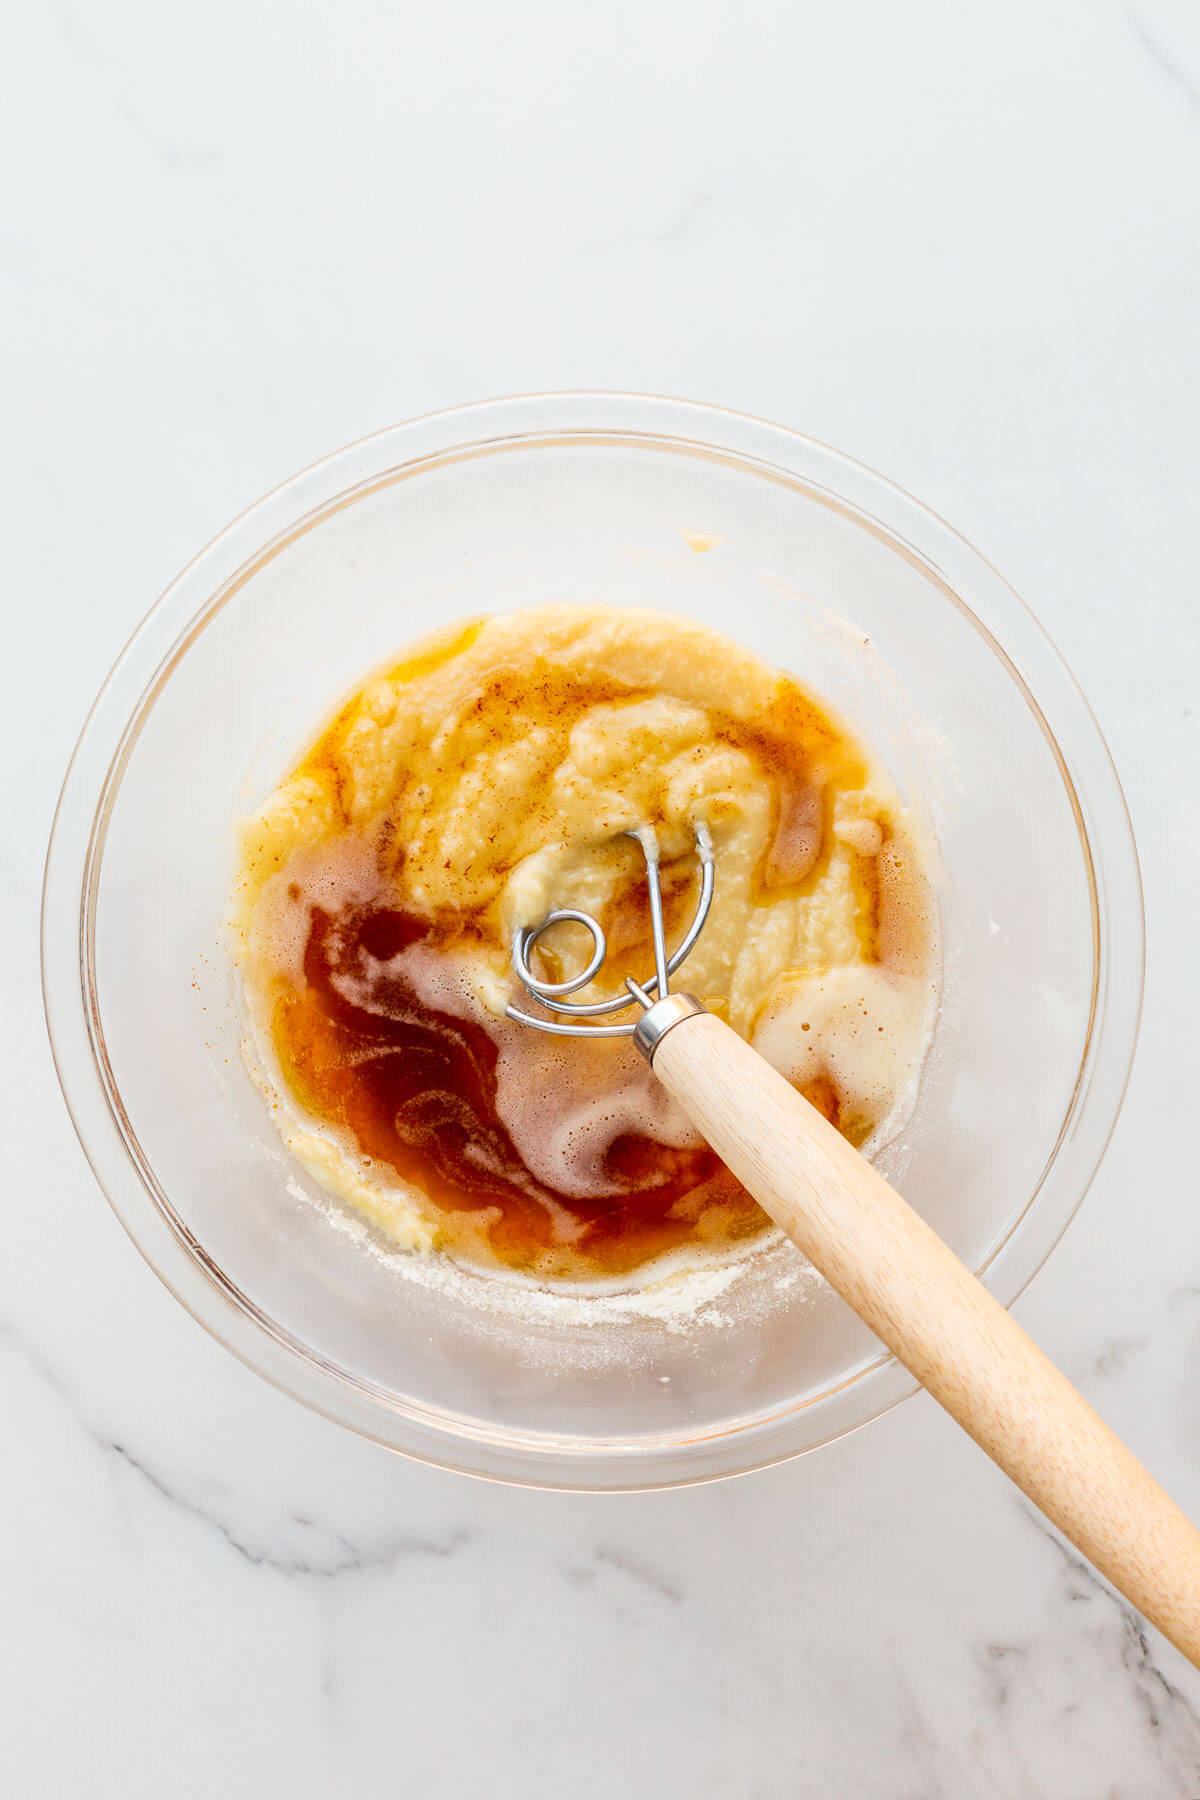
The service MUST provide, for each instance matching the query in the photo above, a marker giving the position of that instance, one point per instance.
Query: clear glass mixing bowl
(823, 568)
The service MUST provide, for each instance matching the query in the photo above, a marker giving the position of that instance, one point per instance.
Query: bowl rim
(299, 504)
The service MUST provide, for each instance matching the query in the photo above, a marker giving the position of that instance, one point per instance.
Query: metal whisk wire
(550, 994)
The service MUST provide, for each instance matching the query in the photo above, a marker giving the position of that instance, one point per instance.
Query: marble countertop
(960, 243)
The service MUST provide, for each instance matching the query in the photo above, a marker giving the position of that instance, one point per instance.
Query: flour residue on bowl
(680, 1298)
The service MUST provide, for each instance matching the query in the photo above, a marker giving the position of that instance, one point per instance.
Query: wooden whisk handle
(942, 1324)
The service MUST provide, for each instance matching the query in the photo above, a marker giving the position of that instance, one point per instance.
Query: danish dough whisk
(885, 1262)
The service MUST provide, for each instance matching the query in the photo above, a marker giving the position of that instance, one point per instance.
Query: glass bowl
(823, 568)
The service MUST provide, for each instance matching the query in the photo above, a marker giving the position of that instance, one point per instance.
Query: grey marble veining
(962, 244)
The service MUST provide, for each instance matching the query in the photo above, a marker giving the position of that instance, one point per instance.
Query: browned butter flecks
(486, 779)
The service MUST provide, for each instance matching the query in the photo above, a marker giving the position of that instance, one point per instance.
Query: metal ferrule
(662, 1017)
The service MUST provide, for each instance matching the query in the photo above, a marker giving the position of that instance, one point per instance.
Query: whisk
(552, 993)
(886, 1263)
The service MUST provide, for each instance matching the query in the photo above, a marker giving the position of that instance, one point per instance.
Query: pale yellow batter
(486, 780)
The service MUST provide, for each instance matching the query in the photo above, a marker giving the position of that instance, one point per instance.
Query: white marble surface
(960, 242)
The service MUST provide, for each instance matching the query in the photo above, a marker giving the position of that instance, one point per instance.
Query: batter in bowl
(485, 780)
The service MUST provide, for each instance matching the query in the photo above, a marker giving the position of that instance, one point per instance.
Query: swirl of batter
(486, 779)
